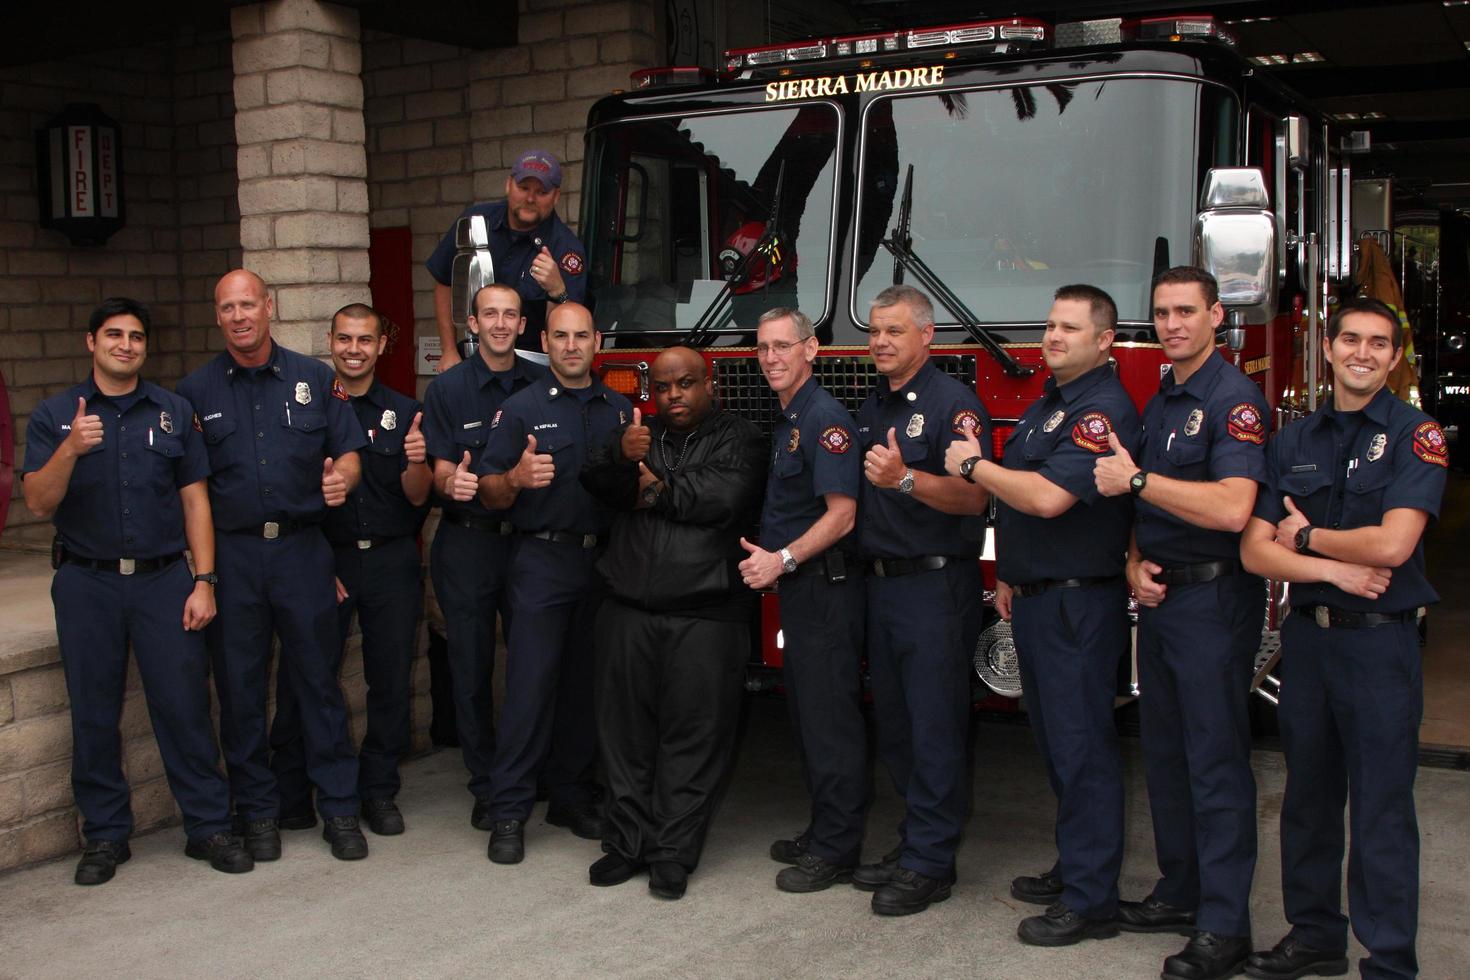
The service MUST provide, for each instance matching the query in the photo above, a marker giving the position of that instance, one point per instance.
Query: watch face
(1136, 482)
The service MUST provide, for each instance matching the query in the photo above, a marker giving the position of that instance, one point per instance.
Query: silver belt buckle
(1323, 616)
(363, 544)
(126, 566)
(272, 530)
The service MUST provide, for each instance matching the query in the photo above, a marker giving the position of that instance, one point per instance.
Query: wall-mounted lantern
(79, 171)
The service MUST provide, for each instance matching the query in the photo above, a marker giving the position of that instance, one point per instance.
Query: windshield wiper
(769, 246)
(901, 243)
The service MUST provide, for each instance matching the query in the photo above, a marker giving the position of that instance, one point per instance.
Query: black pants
(668, 699)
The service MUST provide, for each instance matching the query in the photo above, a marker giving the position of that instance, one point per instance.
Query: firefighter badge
(1091, 432)
(1054, 421)
(966, 422)
(835, 439)
(916, 426)
(1377, 446)
(303, 393)
(1193, 423)
(389, 421)
(1429, 444)
(795, 441)
(166, 423)
(1245, 424)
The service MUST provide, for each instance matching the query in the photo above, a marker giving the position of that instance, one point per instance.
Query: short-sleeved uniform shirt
(459, 406)
(1211, 427)
(267, 430)
(813, 453)
(565, 421)
(929, 413)
(1061, 435)
(123, 497)
(513, 252)
(377, 506)
(1347, 469)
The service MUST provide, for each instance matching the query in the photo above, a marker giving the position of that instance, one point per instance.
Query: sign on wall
(79, 174)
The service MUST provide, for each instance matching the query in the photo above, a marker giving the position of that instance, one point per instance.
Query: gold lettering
(772, 93)
(841, 87)
(921, 77)
(807, 88)
(937, 73)
(865, 82)
(903, 78)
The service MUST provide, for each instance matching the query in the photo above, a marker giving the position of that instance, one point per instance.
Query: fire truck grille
(743, 390)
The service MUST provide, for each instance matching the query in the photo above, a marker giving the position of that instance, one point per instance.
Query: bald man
(283, 447)
(674, 632)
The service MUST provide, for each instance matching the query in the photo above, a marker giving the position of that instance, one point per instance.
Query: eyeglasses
(780, 348)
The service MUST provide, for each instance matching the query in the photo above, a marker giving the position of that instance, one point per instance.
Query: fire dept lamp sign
(79, 171)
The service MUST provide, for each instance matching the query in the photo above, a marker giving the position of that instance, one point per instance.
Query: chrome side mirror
(473, 269)
(1235, 240)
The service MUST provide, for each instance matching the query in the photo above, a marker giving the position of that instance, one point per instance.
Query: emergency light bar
(1024, 33)
(1183, 27)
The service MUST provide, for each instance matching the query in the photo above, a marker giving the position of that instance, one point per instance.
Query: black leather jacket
(680, 555)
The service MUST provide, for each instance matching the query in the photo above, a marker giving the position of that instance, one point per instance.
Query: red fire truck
(985, 163)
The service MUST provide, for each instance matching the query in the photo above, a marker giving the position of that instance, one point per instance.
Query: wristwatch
(559, 298)
(788, 561)
(906, 485)
(1303, 540)
(207, 577)
(650, 494)
(967, 468)
(1137, 482)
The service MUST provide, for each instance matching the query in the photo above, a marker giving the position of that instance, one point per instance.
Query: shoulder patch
(834, 438)
(197, 426)
(966, 421)
(571, 264)
(1091, 432)
(1429, 444)
(1246, 425)
(338, 391)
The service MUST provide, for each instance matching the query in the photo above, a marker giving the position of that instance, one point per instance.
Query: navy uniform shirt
(267, 430)
(1347, 469)
(1211, 427)
(459, 406)
(377, 507)
(812, 454)
(513, 251)
(1060, 436)
(565, 421)
(123, 498)
(929, 412)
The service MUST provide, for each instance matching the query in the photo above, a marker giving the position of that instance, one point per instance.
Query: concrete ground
(429, 903)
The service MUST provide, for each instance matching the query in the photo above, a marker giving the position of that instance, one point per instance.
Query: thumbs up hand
(534, 470)
(463, 485)
(413, 441)
(1111, 473)
(883, 465)
(86, 430)
(547, 273)
(636, 439)
(1293, 522)
(334, 484)
(761, 568)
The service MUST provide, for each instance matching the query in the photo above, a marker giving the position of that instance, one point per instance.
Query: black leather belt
(1205, 571)
(565, 537)
(819, 564)
(1329, 617)
(1047, 584)
(894, 567)
(271, 530)
(122, 566)
(365, 544)
(476, 523)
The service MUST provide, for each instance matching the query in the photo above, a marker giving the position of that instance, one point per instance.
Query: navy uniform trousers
(1196, 653)
(922, 630)
(282, 586)
(384, 589)
(97, 614)
(1069, 642)
(823, 625)
(547, 715)
(1351, 704)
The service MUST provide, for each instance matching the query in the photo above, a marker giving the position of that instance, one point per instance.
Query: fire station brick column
(302, 162)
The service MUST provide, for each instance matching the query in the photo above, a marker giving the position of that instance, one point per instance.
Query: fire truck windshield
(1019, 190)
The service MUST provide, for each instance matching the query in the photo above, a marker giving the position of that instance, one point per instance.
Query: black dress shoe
(262, 839)
(790, 851)
(907, 892)
(382, 817)
(1208, 957)
(667, 879)
(812, 874)
(871, 877)
(1060, 926)
(480, 817)
(1152, 915)
(224, 852)
(1043, 889)
(345, 836)
(612, 869)
(100, 859)
(582, 819)
(507, 842)
(297, 819)
(1290, 959)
